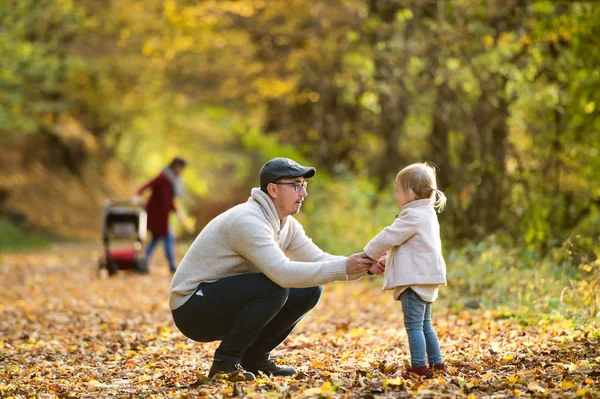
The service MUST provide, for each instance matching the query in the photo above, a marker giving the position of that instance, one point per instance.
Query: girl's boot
(421, 371)
(440, 368)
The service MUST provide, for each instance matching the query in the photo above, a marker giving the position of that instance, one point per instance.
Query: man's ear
(272, 190)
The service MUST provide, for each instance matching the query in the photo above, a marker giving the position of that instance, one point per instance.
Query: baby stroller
(123, 221)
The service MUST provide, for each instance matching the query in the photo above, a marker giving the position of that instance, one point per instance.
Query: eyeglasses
(296, 184)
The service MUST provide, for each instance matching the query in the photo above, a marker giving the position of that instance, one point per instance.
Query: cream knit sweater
(249, 238)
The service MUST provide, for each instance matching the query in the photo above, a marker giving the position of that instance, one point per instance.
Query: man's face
(287, 200)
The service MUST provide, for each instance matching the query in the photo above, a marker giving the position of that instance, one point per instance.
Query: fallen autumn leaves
(66, 333)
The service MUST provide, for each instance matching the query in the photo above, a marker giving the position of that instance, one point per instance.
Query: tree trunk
(393, 98)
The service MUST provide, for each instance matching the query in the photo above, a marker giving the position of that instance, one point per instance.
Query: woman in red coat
(165, 187)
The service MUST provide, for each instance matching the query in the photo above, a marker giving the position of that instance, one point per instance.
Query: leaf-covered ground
(65, 333)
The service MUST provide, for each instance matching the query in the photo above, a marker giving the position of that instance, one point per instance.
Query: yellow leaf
(488, 41)
(566, 384)
(311, 391)
(589, 107)
(147, 50)
(182, 43)
(169, 8)
(453, 64)
(465, 315)
(93, 382)
(345, 356)
(536, 388)
(564, 33)
(398, 381)
(507, 358)
(357, 332)
(202, 379)
(589, 381)
(314, 97)
(581, 392)
(389, 368)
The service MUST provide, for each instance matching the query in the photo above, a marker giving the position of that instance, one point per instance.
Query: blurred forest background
(502, 95)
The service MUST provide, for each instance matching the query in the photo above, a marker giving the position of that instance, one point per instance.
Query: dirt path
(64, 332)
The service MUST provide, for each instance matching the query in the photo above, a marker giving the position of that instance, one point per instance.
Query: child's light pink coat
(414, 245)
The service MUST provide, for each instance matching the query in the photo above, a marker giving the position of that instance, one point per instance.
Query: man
(165, 188)
(252, 274)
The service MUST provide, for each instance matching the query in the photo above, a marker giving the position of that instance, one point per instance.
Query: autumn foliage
(66, 333)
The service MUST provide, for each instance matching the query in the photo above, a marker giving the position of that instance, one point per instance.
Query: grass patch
(523, 285)
(16, 239)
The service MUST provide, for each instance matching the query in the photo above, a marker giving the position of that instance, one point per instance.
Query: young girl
(414, 266)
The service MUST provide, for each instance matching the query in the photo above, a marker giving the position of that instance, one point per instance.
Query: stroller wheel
(111, 267)
(141, 266)
(101, 268)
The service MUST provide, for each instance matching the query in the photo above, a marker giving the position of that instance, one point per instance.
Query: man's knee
(313, 295)
(277, 295)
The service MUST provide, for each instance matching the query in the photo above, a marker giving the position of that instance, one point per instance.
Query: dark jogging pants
(249, 313)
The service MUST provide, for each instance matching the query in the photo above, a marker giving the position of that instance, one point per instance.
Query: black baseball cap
(279, 168)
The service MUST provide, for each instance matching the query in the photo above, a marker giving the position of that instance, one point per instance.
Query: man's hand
(358, 263)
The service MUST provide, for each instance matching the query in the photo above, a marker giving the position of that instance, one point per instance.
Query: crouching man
(252, 274)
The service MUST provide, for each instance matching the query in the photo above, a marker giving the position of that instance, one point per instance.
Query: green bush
(523, 283)
(17, 239)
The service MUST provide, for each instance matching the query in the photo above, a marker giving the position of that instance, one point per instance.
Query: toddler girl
(414, 266)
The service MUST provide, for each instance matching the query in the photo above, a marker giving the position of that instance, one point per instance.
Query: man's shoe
(234, 370)
(269, 367)
(419, 371)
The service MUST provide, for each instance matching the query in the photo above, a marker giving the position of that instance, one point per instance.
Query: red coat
(160, 204)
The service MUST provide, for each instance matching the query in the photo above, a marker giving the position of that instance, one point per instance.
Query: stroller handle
(127, 203)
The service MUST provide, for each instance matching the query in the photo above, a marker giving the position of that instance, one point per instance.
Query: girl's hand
(377, 268)
(381, 261)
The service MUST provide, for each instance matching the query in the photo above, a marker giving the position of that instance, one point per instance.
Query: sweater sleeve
(254, 241)
(148, 185)
(404, 227)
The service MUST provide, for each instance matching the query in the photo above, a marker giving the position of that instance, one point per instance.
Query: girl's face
(402, 197)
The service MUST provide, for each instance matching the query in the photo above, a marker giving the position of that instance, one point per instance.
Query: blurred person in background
(165, 188)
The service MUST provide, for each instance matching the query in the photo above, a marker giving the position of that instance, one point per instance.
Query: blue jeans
(169, 240)
(422, 340)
